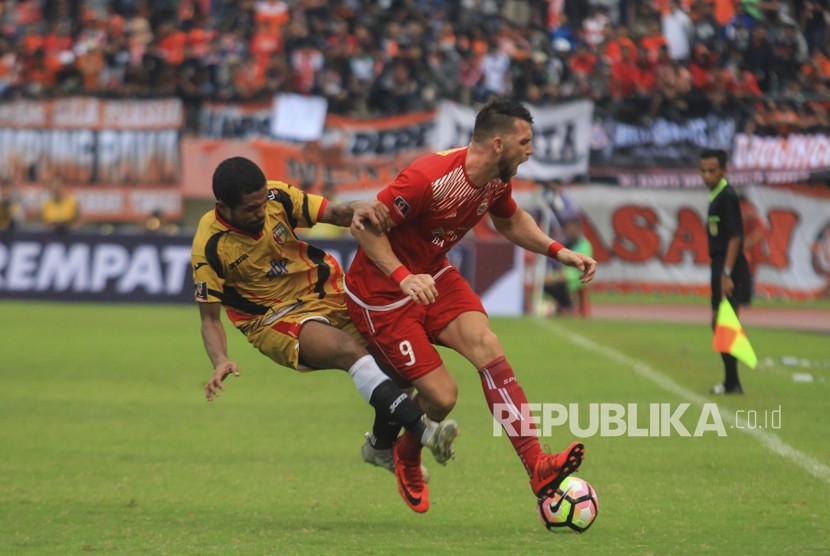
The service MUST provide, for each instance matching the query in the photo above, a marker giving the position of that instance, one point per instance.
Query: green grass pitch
(107, 446)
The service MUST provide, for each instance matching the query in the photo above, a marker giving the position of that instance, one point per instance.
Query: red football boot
(411, 483)
(551, 469)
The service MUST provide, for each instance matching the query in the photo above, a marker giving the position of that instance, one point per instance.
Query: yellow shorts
(277, 333)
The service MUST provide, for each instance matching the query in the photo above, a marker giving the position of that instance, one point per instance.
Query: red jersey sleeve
(407, 196)
(505, 206)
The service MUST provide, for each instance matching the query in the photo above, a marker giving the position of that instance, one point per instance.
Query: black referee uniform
(725, 223)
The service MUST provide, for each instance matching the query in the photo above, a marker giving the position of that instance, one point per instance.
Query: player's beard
(506, 171)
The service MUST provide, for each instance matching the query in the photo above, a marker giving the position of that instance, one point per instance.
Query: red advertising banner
(656, 240)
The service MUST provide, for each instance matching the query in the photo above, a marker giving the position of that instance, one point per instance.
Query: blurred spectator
(495, 65)
(678, 29)
(562, 282)
(60, 212)
(556, 208)
(619, 39)
(595, 27)
(813, 20)
(584, 68)
(653, 41)
(396, 90)
(157, 224)
(706, 30)
(306, 63)
(674, 82)
(11, 210)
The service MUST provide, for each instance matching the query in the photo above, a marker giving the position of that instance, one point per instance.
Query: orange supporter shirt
(584, 64)
(614, 49)
(199, 40)
(249, 79)
(821, 63)
(55, 43)
(621, 84)
(645, 80)
(262, 47)
(31, 43)
(652, 44)
(172, 45)
(724, 10)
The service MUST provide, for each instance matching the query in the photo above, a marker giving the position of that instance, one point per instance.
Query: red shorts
(405, 335)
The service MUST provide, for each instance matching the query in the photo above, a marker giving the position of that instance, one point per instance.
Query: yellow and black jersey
(251, 274)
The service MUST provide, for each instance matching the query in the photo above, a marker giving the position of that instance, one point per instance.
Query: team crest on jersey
(438, 232)
(401, 205)
(482, 208)
(713, 226)
(201, 291)
(280, 233)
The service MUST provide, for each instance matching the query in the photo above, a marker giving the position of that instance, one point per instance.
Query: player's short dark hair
(236, 177)
(720, 154)
(498, 117)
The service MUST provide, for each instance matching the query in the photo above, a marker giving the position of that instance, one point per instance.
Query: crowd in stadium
(642, 58)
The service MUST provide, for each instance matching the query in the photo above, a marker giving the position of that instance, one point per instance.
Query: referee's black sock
(730, 365)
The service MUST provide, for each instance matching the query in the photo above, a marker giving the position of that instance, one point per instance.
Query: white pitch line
(768, 440)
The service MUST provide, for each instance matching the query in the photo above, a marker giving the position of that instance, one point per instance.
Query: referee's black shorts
(742, 294)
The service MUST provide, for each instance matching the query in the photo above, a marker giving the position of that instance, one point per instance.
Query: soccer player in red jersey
(404, 296)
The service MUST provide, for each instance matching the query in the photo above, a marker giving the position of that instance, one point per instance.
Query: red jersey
(434, 205)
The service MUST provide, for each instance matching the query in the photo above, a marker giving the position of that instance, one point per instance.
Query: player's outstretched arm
(216, 345)
(358, 213)
(522, 230)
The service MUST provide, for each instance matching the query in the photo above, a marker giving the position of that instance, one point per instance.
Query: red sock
(505, 398)
(409, 446)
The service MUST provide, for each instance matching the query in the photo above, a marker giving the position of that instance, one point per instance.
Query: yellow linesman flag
(730, 336)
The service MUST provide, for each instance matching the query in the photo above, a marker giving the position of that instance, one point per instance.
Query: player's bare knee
(486, 342)
(444, 401)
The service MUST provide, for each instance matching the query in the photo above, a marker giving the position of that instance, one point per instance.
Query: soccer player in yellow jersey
(287, 297)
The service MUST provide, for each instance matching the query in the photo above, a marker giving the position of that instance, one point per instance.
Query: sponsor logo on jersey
(453, 214)
(280, 233)
(238, 261)
(201, 291)
(401, 205)
(438, 232)
(278, 268)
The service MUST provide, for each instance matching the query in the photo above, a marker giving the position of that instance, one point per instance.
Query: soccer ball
(573, 506)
